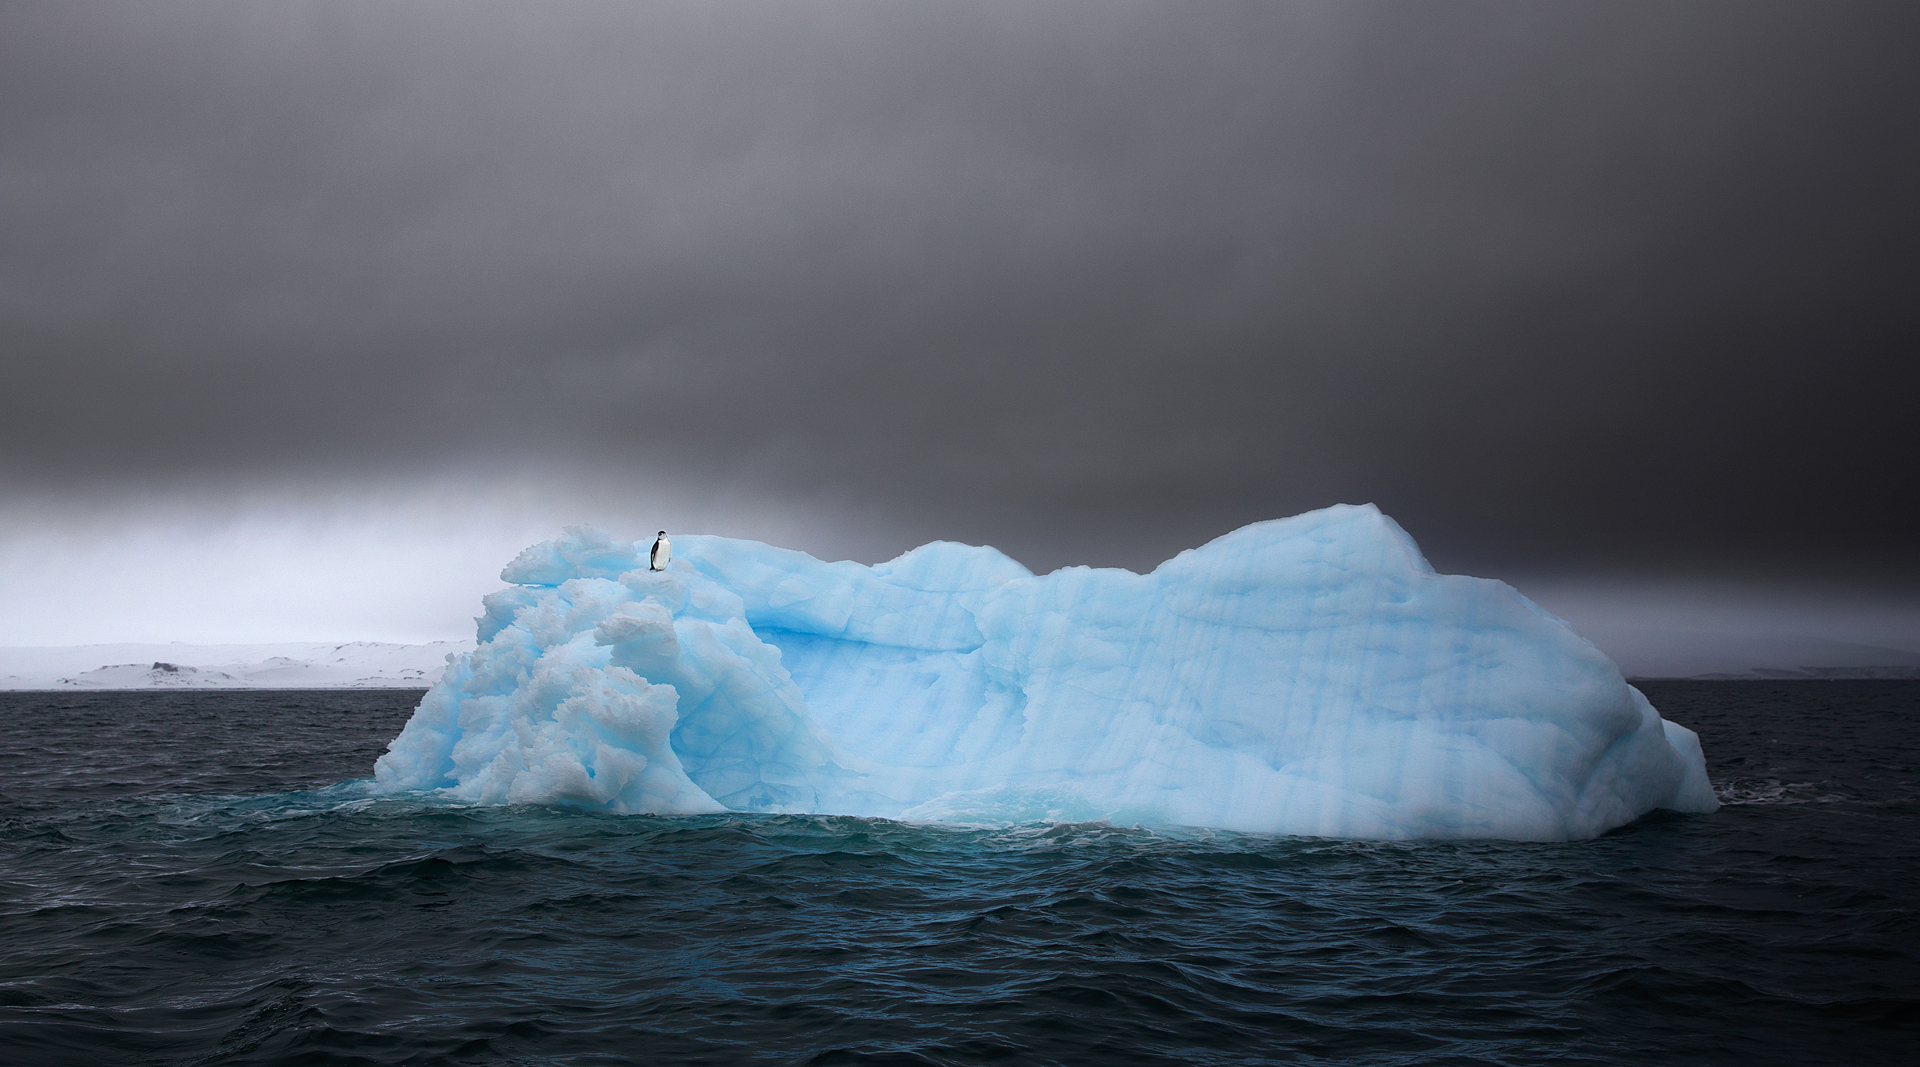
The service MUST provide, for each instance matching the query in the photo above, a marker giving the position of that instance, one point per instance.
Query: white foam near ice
(1310, 675)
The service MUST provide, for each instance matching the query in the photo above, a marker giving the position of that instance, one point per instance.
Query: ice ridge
(1310, 675)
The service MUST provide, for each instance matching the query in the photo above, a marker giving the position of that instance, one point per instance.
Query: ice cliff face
(1311, 675)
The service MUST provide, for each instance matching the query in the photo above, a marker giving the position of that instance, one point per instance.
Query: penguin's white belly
(662, 554)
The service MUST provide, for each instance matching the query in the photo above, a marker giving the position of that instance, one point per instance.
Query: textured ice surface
(1310, 675)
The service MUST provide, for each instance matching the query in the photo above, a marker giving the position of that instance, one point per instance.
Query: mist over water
(194, 878)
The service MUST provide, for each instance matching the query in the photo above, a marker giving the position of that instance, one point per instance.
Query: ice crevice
(1310, 675)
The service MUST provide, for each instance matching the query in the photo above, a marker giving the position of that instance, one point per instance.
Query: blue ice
(1310, 675)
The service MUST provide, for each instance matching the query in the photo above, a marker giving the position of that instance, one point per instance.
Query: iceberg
(1310, 675)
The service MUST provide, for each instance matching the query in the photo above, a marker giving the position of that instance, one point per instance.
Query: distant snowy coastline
(1654, 654)
(1891, 672)
(292, 665)
(1651, 655)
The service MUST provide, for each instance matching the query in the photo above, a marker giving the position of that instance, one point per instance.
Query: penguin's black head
(663, 533)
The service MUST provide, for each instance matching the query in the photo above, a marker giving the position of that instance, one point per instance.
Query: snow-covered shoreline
(388, 665)
(285, 665)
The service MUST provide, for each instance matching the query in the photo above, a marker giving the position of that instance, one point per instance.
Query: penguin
(662, 553)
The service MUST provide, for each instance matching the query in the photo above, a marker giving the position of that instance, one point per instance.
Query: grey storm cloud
(1625, 279)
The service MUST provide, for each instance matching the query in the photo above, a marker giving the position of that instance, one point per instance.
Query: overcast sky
(314, 313)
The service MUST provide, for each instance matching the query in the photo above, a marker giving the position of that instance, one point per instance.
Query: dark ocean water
(182, 881)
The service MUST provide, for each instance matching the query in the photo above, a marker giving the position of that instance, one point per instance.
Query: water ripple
(296, 919)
